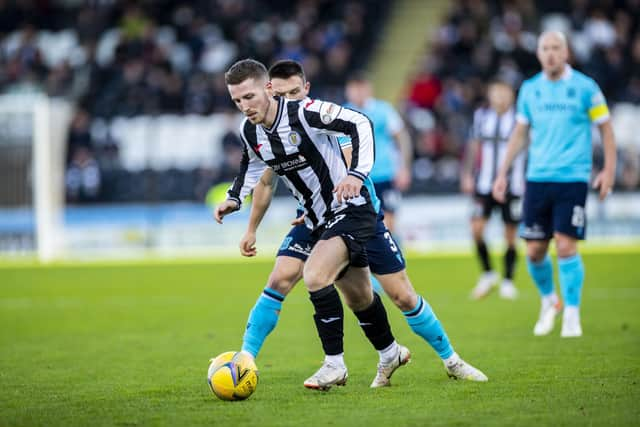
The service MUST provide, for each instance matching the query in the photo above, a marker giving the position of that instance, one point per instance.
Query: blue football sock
(262, 319)
(542, 275)
(424, 322)
(571, 274)
(377, 287)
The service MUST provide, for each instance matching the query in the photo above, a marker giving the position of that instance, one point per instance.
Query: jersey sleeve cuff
(358, 175)
(601, 119)
(521, 118)
(235, 199)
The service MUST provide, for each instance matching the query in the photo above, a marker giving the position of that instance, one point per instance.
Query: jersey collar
(566, 74)
(276, 122)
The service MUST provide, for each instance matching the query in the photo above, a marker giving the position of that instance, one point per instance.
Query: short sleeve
(394, 121)
(596, 104)
(523, 112)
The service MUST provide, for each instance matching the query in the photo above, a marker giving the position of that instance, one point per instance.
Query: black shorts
(554, 206)
(356, 225)
(511, 209)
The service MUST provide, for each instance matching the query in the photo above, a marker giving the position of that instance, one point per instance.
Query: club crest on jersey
(294, 138)
(328, 112)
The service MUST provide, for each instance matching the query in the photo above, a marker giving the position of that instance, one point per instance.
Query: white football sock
(451, 360)
(388, 354)
(335, 360)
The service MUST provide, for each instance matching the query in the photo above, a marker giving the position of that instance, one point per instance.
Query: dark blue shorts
(389, 196)
(298, 242)
(554, 207)
(385, 256)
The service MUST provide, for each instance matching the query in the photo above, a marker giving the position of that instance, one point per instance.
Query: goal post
(33, 139)
(51, 119)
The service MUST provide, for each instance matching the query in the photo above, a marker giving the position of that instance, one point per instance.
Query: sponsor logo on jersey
(292, 163)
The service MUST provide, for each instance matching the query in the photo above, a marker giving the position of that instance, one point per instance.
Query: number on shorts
(577, 219)
(392, 244)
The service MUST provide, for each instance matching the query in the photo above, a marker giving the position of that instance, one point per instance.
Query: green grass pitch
(129, 344)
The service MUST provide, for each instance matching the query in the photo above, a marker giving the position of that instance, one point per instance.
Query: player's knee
(536, 252)
(566, 247)
(315, 278)
(357, 304)
(476, 231)
(405, 301)
(283, 283)
(399, 289)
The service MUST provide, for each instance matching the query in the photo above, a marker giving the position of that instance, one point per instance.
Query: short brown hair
(243, 70)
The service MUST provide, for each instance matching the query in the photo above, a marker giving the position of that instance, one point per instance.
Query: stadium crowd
(116, 58)
(483, 41)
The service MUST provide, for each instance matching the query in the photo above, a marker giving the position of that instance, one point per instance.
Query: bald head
(553, 53)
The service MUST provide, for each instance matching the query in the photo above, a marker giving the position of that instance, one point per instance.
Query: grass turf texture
(129, 345)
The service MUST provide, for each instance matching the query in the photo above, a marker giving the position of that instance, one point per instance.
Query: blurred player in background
(287, 79)
(391, 173)
(559, 105)
(489, 136)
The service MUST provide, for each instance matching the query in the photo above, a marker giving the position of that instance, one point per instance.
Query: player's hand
(348, 188)
(466, 183)
(499, 188)
(298, 221)
(604, 181)
(224, 209)
(248, 244)
(402, 180)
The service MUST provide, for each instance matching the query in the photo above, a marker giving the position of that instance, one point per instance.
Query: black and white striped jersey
(493, 131)
(300, 147)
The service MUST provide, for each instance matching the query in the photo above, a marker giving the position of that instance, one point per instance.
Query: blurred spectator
(83, 176)
(480, 41)
(129, 58)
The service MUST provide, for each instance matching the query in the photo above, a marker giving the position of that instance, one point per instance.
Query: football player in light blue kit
(391, 171)
(559, 106)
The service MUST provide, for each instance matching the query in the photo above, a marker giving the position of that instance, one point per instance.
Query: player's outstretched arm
(517, 142)
(606, 178)
(262, 195)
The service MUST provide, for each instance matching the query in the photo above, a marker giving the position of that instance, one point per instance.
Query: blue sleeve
(523, 113)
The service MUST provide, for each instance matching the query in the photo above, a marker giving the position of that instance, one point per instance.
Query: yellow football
(233, 376)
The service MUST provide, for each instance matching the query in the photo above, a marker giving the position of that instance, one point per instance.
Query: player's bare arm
(403, 177)
(517, 143)
(606, 178)
(262, 195)
(466, 176)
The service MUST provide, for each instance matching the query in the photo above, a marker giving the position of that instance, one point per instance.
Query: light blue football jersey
(560, 115)
(386, 122)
